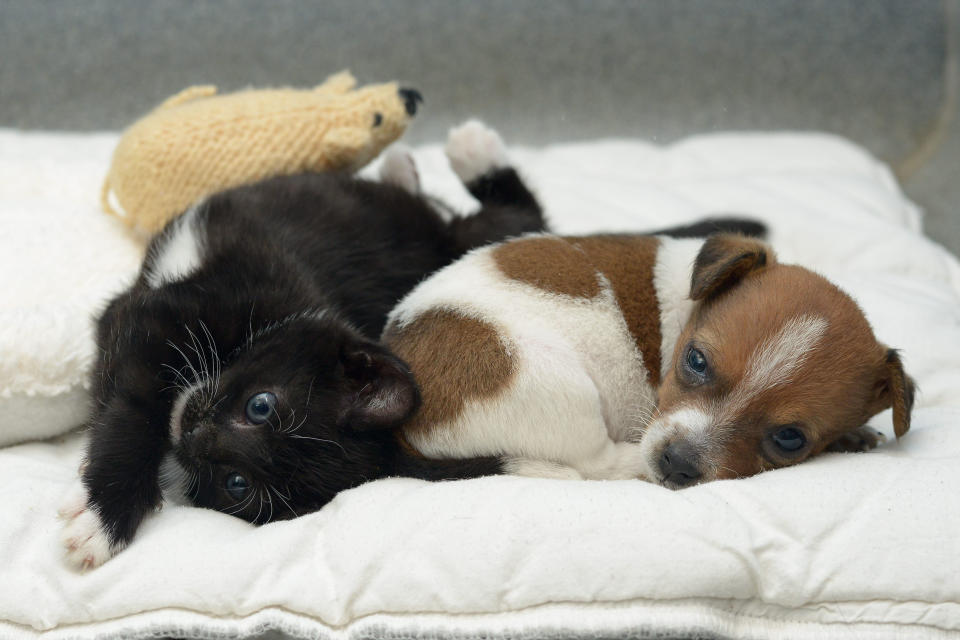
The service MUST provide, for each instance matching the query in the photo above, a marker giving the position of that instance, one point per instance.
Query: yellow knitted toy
(197, 143)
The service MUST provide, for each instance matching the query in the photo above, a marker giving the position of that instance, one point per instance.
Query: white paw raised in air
(83, 537)
(474, 149)
(399, 169)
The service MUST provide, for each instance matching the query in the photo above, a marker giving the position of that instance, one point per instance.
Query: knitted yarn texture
(197, 142)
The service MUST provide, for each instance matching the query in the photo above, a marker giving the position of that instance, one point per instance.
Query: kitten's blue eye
(696, 361)
(237, 486)
(260, 407)
(789, 439)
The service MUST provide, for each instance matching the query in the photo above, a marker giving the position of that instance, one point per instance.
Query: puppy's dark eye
(696, 361)
(260, 407)
(237, 486)
(789, 439)
(377, 119)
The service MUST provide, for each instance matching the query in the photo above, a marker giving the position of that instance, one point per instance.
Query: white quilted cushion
(845, 546)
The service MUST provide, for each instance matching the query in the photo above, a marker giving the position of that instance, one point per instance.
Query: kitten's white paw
(399, 169)
(83, 537)
(473, 149)
(74, 503)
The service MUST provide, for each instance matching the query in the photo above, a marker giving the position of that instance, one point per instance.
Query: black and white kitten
(243, 364)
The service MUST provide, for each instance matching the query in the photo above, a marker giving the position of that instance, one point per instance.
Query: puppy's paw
(84, 537)
(399, 169)
(858, 440)
(475, 149)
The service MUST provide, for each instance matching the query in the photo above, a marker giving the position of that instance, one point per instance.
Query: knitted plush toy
(196, 142)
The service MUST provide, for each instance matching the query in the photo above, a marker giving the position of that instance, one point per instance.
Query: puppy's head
(774, 365)
(301, 412)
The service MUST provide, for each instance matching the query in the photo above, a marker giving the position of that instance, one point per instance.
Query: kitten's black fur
(295, 278)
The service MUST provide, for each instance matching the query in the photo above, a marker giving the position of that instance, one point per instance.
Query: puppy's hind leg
(478, 156)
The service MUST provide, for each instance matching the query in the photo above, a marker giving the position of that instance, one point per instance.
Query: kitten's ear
(379, 392)
(724, 260)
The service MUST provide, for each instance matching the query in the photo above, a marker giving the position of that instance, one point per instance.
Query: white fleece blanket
(844, 546)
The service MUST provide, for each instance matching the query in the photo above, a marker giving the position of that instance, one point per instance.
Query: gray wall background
(881, 72)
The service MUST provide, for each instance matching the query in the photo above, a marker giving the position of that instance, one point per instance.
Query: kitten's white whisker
(204, 366)
(280, 495)
(297, 428)
(193, 370)
(214, 356)
(180, 380)
(217, 403)
(334, 442)
(243, 505)
(260, 510)
(293, 418)
(270, 503)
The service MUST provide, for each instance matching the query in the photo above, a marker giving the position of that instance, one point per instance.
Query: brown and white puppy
(676, 361)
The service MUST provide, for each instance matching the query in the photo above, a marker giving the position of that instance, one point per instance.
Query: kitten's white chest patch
(180, 253)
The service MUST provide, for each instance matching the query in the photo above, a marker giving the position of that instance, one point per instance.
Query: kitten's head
(300, 412)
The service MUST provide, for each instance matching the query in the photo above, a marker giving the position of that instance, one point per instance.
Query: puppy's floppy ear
(379, 390)
(724, 260)
(893, 388)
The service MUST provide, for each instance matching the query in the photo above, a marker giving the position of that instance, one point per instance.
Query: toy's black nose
(411, 98)
(678, 464)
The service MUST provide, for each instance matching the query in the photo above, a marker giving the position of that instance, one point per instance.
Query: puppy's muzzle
(679, 465)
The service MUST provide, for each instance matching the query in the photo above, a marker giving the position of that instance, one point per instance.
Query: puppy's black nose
(678, 464)
(411, 98)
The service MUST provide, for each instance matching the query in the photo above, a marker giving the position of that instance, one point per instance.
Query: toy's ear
(378, 392)
(893, 388)
(337, 83)
(724, 260)
(188, 94)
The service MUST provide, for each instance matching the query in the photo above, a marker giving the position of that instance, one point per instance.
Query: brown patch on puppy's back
(627, 261)
(570, 266)
(548, 263)
(454, 358)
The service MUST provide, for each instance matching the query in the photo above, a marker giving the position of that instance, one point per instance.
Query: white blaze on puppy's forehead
(691, 423)
(776, 360)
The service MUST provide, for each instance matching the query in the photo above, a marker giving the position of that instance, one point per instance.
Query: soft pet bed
(844, 546)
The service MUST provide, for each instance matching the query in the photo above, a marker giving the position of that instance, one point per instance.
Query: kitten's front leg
(120, 482)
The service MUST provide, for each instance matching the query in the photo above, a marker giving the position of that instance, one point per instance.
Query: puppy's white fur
(775, 361)
(671, 279)
(578, 376)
